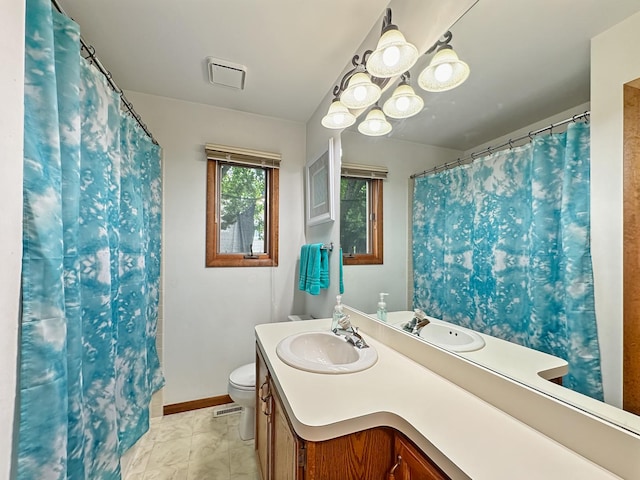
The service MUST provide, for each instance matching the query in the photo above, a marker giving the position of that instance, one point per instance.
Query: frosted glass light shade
(338, 116)
(393, 56)
(375, 124)
(361, 92)
(404, 103)
(446, 71)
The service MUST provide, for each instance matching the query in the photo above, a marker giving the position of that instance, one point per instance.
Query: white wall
(364, 282)
(11, 124)
(209, 313)
(531, 128)
(320, 306)
(614, 62)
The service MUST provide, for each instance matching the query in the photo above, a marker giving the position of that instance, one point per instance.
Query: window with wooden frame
(242, 207)
(361, 226)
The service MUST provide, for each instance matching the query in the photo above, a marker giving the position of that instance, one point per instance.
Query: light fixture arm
(358, 66)
(441, 44)
(404, 78)
(386, 22)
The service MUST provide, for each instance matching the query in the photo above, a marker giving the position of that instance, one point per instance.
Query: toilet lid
(244, 376)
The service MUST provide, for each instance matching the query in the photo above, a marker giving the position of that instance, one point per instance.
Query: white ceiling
(293, 49)
(529, 59)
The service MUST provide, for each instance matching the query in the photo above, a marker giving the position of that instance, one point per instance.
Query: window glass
(242, 215)
(354, 214)
(361, 220)
(243, 195)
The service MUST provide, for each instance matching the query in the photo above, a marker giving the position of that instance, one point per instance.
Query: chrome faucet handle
(360, 343)
(420, 325)
(350, 332)
(419, 314)
(355, 339)
(345, 322)
(420, 320)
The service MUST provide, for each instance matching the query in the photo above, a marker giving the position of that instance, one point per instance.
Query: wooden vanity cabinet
(279, 451)
(370, 454)
(262, 436)
(412, 464)
(287, 455)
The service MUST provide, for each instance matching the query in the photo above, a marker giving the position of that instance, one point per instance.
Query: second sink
(324, 352)
(451, 337)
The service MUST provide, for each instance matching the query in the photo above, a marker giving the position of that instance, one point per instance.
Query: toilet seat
(244, 377)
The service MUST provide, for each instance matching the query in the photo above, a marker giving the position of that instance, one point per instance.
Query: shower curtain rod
(91, 51)
(509, 144)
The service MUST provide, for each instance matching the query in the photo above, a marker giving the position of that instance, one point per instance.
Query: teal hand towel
(312, 285)
(324, 267)
(341, 277)
(314, 269)
(304, 259)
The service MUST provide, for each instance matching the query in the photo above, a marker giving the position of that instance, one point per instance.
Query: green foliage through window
(354, 215)
(242, 209)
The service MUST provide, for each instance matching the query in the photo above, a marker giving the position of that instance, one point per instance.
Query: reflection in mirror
(502, 99)
(501, 246)
(361, 218)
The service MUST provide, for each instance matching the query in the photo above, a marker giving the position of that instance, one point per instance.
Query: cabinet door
(263, 417)
(285, 444)
(412, 464)
(358, 456)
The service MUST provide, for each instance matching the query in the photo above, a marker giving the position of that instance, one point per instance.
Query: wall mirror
(493, 37)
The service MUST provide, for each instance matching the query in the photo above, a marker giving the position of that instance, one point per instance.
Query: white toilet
(242, 390)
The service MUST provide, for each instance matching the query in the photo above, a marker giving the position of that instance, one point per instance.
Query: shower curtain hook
(586, 116)
(531, 135)
(510, 144)
(91, 52)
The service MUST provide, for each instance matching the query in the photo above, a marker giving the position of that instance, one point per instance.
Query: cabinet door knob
(391, 475)
(264, 390)
(266, 405)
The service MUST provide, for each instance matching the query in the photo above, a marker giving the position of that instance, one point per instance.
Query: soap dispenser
(337, 314)
(382, 308)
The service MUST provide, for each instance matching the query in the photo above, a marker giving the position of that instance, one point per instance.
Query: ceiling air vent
(226, 73)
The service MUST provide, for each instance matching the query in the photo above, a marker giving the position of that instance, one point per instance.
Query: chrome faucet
(418, 321)
(350, 332)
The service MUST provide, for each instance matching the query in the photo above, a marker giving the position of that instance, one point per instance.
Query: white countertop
(532, 368)
(466, 436)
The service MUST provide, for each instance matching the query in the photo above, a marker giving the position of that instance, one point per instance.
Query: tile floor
(193, 446)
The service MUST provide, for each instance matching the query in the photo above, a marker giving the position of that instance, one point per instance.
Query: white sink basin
(451, 337)
(324, 352)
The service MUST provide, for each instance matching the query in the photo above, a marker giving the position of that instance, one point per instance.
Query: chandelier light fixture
(361, 92)
(362, 86)
(404, 102)
(338, 116)
(375, 124)
(394, 55)
(446, 70)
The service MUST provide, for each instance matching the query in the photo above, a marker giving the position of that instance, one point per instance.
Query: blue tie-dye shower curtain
(91, 263)
(502, 246)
